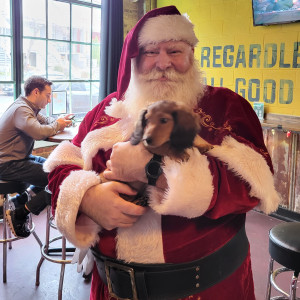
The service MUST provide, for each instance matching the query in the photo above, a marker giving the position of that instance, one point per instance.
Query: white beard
(143, 90)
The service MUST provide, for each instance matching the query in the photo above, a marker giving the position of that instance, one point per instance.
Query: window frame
(17, 37)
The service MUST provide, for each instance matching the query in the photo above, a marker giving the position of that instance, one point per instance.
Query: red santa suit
(207, 198)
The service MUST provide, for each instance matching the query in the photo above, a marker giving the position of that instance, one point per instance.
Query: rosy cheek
(185, 65)
(146, 64)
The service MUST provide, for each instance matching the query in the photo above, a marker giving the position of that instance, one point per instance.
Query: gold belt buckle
(108, 264)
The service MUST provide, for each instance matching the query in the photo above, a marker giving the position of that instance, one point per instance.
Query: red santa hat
(158, 25)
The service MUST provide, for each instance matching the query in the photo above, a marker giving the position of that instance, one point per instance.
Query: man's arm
(27, 122)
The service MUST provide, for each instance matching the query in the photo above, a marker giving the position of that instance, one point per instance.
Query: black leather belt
(171, 281)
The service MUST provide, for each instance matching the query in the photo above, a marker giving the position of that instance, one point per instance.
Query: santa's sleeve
(233, 177)
(68, 183)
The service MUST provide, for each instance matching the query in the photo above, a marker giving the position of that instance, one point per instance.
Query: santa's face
(166, 71)
(176, 55)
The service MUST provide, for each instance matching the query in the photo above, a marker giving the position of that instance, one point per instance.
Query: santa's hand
(103, 204)
(127, 163)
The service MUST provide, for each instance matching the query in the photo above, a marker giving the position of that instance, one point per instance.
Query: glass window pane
(6, 96)
(96, 62)
(34, 57)
(80, 63)
(96, 43)
(34, 18)
(96, 1)
(81, 23)
(80, 98)
(96, 25)
(5, 27)
(58, 60)
(5, 58)
(95, 93)
(59, 20)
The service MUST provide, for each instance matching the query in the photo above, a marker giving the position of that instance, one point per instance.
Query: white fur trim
(80, 231)
(117, 109)
(104, 138)
(142, 242)
(190, 187)
(167, 28)
(64, 154)
(252, 167)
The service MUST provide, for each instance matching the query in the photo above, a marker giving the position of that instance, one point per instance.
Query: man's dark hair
(34, 82)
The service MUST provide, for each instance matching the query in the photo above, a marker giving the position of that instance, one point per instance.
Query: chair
(6, 189)
(49, 253)
(284, 248)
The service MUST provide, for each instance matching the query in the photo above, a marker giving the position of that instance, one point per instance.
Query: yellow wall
(226, 26)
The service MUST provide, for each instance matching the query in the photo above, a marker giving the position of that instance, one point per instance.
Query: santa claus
(190, 241)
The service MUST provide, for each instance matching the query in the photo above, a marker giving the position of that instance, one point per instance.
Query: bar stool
(48, 252)
(6, 189)
(284, 248)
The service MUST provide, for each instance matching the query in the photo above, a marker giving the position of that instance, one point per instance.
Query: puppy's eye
(164, 120)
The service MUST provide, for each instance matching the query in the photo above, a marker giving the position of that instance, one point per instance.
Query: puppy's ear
(185, 129)
(137, 135)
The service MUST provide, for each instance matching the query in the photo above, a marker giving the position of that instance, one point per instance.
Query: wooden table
(66, 135)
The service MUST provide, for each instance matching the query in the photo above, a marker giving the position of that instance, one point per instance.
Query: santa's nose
(163, 61)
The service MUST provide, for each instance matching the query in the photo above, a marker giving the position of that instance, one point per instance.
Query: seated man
(190, 242)
(20, 125)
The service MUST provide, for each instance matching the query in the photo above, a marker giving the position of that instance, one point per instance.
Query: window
(58, 39)
(7, 86)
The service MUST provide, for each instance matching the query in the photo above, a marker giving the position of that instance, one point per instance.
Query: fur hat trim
(167, 28)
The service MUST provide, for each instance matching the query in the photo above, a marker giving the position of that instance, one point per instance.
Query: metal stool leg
(62, 270)
(61, 281)
(268, 295)
(46, 252)
(5, 230)
(46, 247)
(294, 286)
(32, 230)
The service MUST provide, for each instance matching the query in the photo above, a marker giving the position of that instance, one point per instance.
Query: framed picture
(259, 110)
(266, 12)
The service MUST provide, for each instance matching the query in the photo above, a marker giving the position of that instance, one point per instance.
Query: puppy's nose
(148, 140)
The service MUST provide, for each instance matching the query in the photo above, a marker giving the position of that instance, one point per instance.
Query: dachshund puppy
(168, 129)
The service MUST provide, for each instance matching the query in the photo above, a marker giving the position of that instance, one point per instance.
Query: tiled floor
(25, 254)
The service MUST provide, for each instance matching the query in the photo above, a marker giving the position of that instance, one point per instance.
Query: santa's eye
(164, 120)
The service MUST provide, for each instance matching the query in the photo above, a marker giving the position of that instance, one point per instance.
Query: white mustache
(169, 74)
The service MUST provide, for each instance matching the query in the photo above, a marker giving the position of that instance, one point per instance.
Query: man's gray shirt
(20, 125)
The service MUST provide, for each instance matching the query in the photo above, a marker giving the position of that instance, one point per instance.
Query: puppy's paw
(202, 145)
(205, 148)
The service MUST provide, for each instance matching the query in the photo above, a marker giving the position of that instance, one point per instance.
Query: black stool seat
(284, 244)
(10, 187)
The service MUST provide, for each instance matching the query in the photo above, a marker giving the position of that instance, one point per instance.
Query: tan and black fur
(168, 129)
